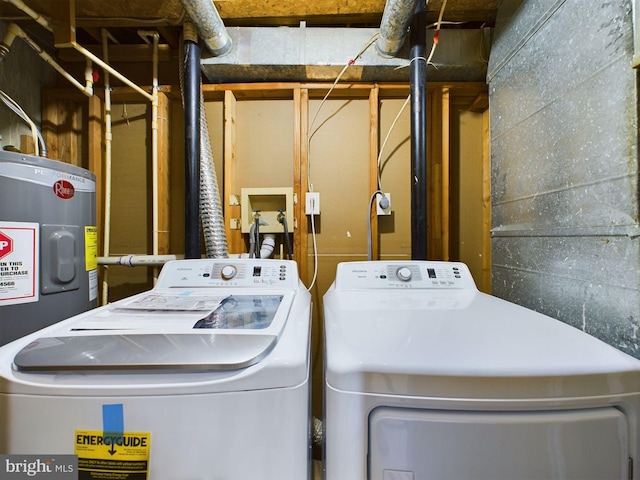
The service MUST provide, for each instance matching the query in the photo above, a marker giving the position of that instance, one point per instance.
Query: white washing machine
(206, 376)
(426, 378)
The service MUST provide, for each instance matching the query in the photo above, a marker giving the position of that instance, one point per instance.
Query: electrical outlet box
(268, 202)
(379, 209)
(312, 203)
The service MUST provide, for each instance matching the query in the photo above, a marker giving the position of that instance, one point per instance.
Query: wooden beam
(27, 145)
(63, 22)
(434, 177)
(232, 210)
(486, 204)
(95, 147)
(374, 122)
(301, 236)
(446, 159)
(164, 167)
(50, 121)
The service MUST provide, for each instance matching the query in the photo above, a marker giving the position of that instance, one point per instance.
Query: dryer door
(408, 444)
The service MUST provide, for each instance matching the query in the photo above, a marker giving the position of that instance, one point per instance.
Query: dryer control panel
(251, 272)
(411, 274)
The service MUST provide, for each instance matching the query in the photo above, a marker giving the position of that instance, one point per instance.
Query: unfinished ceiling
(124, 17)
(84, 21)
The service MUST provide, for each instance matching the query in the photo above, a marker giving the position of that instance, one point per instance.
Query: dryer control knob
(228, 272)
(404, 274)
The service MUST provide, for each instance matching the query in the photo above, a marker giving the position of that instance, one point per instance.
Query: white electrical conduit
(154, 138)
(153, 97)
(137, 260)
(14, 31)
(35, 133)
(154, 161)
(80, 49)
(107, 168)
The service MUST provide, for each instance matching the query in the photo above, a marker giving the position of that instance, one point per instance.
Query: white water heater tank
(48, 243)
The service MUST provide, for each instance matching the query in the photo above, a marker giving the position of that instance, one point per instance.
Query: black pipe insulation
(418, 87)
(193, 243)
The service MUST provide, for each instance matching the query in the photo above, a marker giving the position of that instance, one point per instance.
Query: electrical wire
(379, 191)
(366, 46)
(437, 24)
(370, 42)
(315, 254)
(35, 133)
(369, 229)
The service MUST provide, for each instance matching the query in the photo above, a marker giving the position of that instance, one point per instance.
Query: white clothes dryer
(428, 378)
(206, 376)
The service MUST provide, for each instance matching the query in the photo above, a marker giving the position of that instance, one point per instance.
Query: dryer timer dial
(228, 272)
(404, 274)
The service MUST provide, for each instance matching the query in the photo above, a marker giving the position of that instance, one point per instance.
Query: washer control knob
(228, 272)
(404, 274)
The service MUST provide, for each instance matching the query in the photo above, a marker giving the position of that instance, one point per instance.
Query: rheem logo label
(6, 245)
(64, 189)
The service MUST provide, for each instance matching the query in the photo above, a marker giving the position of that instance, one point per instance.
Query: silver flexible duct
(211, 216)
(215, 238)
(396, 19)
(210, 26)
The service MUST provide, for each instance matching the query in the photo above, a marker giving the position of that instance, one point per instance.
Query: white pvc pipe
(107, 169)
(14, 31)
(113, 71)
(267, 246)
(137, 260)
(154, 146)
(32, 13)
(79, 48)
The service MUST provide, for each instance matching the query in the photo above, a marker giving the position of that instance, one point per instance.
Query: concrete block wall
(564, 138)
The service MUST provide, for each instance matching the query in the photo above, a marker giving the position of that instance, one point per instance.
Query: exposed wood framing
(95, 147)
(374, 122)
(63, 22)
(232, 211)
(164, 197)
(445, 181)
(486, 204)
(66, 127)
(61, 126)
(27, 145)
(300, 170)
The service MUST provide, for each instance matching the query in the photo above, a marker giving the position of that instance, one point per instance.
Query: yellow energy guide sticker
(112, 456)
(91, 247)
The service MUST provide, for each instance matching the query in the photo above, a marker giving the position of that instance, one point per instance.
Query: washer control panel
(249, 272)
(411, 274)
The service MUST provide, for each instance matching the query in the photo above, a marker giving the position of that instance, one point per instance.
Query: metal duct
(211, 29)
(396, 19)
(305, 54)
(418, 82)
(210, 205)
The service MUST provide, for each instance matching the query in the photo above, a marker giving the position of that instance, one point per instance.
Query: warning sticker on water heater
(19, 253)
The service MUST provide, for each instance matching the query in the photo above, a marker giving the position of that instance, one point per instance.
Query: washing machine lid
(144, 352)
(164, 330)
(463, 344)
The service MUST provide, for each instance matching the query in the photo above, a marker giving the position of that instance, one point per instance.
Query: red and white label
(64, 189)
(19, 262)
(6, 245)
